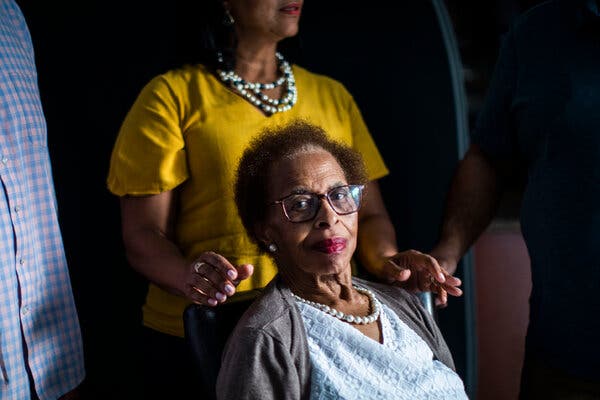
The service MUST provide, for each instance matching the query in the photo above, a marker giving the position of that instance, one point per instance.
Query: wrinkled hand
(211, 279)
(416, 271)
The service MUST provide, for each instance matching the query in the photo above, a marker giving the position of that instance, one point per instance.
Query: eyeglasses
(302, 207)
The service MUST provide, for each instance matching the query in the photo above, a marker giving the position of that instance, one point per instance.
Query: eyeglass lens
(305, 206)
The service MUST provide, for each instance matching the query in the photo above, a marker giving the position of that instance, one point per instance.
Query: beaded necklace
(253, 91)
(353, 319)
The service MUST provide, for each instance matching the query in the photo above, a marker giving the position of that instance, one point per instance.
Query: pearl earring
(272, 247)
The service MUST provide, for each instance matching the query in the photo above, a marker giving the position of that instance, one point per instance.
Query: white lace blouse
(346, 364)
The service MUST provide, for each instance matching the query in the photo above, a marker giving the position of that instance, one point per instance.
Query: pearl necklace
(252, 91)
(353, 319)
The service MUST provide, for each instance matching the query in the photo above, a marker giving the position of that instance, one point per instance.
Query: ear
(262, 233)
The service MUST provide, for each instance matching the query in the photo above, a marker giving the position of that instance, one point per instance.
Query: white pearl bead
(372, 317)
(289, 98)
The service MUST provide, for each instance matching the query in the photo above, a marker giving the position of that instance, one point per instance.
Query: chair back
(206, 332)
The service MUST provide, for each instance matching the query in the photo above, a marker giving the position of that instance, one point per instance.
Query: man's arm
(471, 204)
(379, 254)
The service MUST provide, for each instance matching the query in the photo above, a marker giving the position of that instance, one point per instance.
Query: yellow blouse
(188, 130)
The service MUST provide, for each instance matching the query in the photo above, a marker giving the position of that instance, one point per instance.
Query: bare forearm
(378, 253)
(376, 234)
(147, 226)
(157, 258)
(471, 204)
(377, 242)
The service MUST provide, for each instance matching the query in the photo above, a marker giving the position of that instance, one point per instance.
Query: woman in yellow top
(174, 160)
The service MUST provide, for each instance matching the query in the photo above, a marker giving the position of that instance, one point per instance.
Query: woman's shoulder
(314, 79)
(187, 72)
(180, 79)
(395, 294)
(271, 312)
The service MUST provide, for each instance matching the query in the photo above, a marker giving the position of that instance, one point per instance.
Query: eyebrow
(304, 190)
(300, 190)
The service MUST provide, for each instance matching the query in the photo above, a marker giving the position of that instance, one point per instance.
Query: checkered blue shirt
(39, 329)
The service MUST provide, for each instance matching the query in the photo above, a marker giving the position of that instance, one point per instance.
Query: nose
(326, 216)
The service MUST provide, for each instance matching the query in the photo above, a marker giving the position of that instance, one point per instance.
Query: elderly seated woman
(316, 332)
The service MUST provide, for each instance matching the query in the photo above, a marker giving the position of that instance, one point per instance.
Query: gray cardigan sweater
(267, 357)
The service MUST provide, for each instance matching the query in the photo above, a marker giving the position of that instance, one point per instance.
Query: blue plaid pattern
(39, 329)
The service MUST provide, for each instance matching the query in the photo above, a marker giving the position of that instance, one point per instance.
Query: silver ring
(197, 266)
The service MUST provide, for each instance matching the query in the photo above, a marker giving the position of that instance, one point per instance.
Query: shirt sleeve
(494, 130)
(256, 366)
(365, 145)
(149, 154)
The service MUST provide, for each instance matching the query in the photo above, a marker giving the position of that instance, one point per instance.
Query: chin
(335, 265)
(293, 32)
(289, 31)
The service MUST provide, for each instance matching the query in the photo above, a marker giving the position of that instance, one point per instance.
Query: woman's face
(323, 245)
(270, 19)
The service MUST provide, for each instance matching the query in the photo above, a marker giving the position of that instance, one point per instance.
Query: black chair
(206, 331)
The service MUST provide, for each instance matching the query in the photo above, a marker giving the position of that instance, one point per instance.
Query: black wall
(92, 60)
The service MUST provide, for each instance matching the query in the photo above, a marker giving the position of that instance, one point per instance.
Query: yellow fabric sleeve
(149, 155)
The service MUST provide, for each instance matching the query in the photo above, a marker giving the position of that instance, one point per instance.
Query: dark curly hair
(273, 145)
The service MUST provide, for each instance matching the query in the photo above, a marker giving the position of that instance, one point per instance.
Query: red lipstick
(331, 246)
(291, 8)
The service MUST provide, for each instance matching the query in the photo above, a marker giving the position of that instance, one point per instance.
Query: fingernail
(229, 289)
(231, 274)
(442, 277)
(220, 296)
(212, 302)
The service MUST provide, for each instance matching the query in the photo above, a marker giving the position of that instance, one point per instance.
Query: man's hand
(419, 272)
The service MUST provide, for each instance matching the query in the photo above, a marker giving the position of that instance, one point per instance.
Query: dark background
(94, 57)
